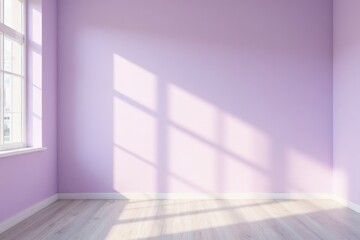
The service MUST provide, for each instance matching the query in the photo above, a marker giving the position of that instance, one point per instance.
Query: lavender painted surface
(346, 99)
(195, 96)
(27, 179)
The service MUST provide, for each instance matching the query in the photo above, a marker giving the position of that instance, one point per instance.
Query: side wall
(27, 179)
(195, 96)
(347, 99)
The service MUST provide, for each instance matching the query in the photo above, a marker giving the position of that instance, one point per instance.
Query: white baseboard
(346, 203)
(149, 196)
(105, 196)
(21, 216)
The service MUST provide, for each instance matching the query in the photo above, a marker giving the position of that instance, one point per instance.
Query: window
(12, 72)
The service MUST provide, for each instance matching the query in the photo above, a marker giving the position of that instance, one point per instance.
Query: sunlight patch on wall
(36, 26)
(36, 70)
(135, 82)
(131, 172)
(37, 132)
(192, 160)
(341, 182)
(245, 140)
(192, 113)
(135, 130)
(241, 177)
(135, 148)
(35, 73)
(205, 148)
(36, 101)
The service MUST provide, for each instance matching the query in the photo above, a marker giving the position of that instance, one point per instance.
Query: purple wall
(27, 179)
(346, 99)
(195, 96)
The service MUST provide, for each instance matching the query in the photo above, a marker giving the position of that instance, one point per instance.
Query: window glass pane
(12, 96)
(1, 11)
(1, 51)
(13, 53)
(13, 14)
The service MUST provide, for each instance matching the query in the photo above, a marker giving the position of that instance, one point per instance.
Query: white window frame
(22, 39)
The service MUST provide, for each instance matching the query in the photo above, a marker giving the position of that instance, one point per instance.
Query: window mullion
(12, 74)
(12, 33)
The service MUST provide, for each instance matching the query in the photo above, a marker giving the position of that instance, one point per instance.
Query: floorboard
(189, 219)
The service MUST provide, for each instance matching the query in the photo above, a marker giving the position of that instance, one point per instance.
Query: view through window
(12, 72)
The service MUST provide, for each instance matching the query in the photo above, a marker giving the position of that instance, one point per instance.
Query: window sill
(19, 151)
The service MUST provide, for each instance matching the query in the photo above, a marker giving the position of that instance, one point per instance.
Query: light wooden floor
(189, 219)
